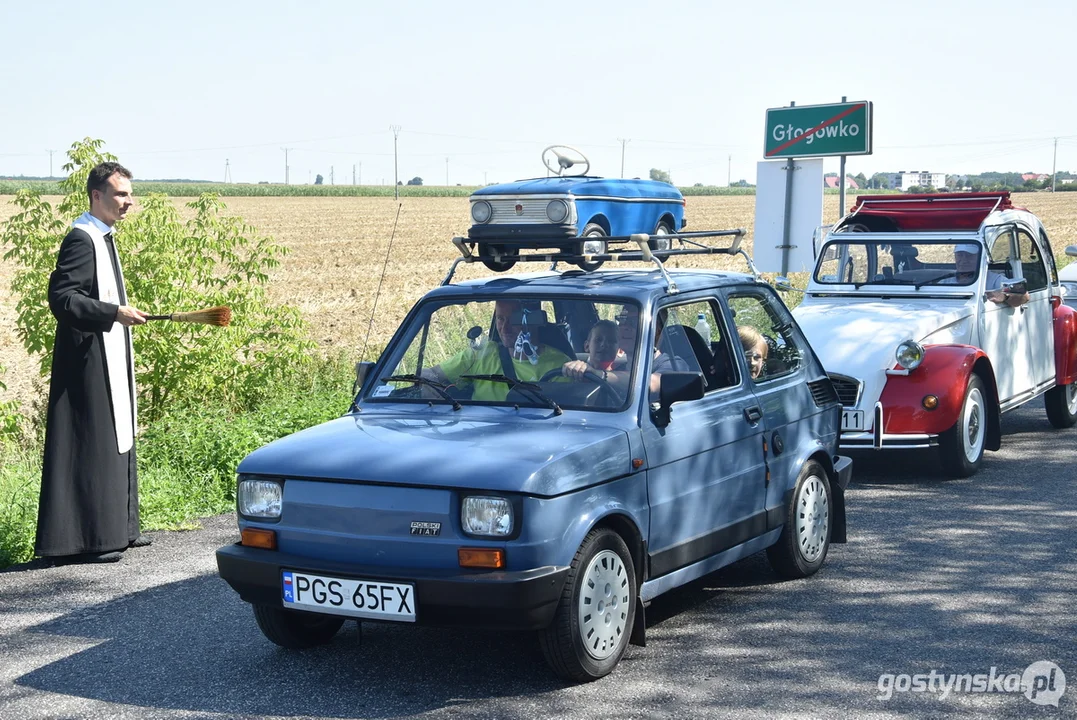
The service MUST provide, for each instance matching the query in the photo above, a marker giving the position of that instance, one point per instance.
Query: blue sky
(176, 89)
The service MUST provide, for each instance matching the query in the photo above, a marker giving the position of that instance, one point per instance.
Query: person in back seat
(755, 350)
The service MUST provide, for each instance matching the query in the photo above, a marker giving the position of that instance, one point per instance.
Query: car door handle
(753, 414)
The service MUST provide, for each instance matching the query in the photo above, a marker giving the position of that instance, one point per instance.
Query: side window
(1051, 269)
(766, 336)
(693, 334)
(1001, 250)
(1032, 266)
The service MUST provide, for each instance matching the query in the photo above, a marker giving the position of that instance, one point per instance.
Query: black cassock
(89, 490)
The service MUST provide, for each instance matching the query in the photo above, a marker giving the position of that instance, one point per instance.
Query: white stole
(117, 343)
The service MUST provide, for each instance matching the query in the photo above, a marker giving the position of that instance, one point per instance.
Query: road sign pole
(790, 168)
(841, 183)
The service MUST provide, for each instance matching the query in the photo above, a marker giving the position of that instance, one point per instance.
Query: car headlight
(491, 516)
(1069, 289)
(259, 498)
(910, 354)
(481, 211)
(557, 211)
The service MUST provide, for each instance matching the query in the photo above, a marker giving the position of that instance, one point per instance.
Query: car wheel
(296, 630)
(962, 446)
(506, 259)
(659, 246)
(805, 539)
(1061, 404)
(595, 615)
(591, 247)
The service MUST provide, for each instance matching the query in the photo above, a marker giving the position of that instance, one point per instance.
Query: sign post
(816, 131)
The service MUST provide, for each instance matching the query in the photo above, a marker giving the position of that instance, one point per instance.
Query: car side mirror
(782, 283)
(1072, 250)
(675, 387)
(362, 369)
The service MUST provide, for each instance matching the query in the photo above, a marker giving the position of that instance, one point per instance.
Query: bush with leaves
(169, 266)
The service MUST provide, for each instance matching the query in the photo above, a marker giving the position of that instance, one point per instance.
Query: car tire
(962, 446)
(296, 630)
(590, 230)
(595, 615)
(507, 261)
(1061, 404)
(661, 252)
(802, 547)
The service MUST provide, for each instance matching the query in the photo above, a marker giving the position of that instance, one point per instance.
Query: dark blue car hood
(534, 454)
(583, 187)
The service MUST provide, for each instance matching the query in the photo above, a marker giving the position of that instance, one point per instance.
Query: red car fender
(944, 373)
(1065, 326)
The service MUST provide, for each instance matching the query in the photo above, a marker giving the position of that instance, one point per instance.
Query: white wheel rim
(813, 518)
(594, 247)
(1071, 398)
(973, 425)
(662, 244)
(603, 605)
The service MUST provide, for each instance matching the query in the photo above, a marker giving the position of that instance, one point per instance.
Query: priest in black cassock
(88, 510)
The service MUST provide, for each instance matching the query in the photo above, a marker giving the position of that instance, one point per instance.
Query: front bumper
(879, 440)
(528, 235)
(523, 600)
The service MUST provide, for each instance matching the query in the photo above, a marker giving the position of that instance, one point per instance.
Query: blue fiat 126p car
(575, 213)
(550, 452)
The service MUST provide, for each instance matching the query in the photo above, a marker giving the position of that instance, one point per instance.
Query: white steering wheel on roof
(565, 160)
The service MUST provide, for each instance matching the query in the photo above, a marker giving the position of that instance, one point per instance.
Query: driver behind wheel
(601, 349)
(519, 355)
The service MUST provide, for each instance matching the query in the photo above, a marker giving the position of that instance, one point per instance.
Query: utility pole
(50, 152)
(227, 172)
(729, 173)
(396, 172)
(353, 173)
(446, 172)
(623, 143)
(286, 164)
(484, 178)
(1054, 164)
(332, 180)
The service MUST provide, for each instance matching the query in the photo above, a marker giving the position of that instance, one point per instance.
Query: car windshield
(513, 352)
(860, 261)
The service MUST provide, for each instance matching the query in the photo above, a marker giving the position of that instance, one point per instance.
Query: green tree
(169, 266)
(861, 180)
(318, 179)
(659, 175)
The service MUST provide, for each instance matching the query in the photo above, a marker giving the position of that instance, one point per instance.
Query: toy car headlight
(557, 211)
(481, 211)
(259, 498)
(491, 516)
(909, 354)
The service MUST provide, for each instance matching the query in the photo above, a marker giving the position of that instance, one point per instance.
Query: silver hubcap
(1071, 398)
(604, 602)
(973, 423)
(662, 244)
(594, 247)
(813, 518)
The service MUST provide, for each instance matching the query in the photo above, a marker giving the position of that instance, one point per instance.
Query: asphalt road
(951, 576)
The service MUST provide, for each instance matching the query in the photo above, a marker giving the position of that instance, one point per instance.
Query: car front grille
(848, 388)
(533, 211)
(822, 392)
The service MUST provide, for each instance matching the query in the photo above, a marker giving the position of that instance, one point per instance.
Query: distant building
(1038, 177)
(902, 180)
(831, 181)
(1066, 181)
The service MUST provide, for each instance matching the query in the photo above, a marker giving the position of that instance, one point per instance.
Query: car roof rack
(642, 253)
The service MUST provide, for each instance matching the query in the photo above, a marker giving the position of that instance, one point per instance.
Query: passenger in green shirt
(487, 359)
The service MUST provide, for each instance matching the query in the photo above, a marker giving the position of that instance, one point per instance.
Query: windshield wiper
(934, 280)
(882, 281)
(528, 387)
(439, 388)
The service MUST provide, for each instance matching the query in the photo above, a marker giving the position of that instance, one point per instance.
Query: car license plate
(852, 420)
(355, 598)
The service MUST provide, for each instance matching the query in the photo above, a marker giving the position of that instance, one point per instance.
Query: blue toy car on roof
(549, 452)
(573, 213)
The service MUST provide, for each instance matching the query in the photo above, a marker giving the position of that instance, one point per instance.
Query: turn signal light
(258, 538)
(930, 402)
(481, 558)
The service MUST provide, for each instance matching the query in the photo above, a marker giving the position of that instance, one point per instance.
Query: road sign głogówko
(818, 130)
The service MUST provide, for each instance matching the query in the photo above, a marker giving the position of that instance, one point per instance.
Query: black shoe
(141, 541)
(102, 557)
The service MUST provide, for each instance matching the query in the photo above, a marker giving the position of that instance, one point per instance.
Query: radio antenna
(377, 294)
